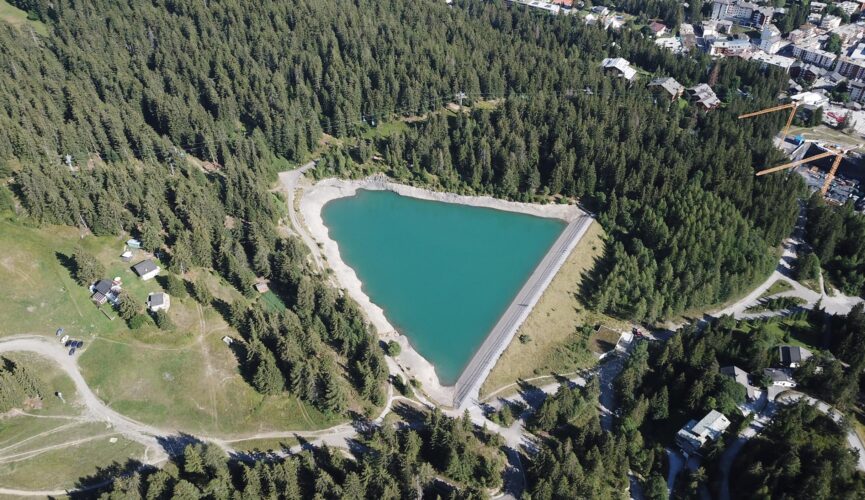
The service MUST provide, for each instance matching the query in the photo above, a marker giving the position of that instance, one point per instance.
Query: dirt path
(289, 182)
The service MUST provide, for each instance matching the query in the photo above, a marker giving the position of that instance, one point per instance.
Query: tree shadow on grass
(223, 308)
(531, 394)
(174, 445)
(67, 262)
(90, 485)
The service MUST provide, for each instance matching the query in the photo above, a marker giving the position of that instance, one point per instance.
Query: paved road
(469, 383)
(289, 182)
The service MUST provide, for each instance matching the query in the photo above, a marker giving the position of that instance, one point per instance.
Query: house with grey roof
(619, 66)
(668, 86)
(793, 356)
(779, 378)
(694, 435)
(146, 269)
(703, 95)
(158, 301)
(741, 377)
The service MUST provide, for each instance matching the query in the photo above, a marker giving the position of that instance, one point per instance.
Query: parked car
(59, 332)
(64, 339)
(80, 344)
(69, 343)
(71, 351)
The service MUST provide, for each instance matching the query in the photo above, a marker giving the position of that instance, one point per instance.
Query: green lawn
(17, 17)
(49, 438)
(778, 286)
(801, 333)
(62, 468)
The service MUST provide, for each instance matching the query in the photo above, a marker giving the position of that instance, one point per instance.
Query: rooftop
(144, 267)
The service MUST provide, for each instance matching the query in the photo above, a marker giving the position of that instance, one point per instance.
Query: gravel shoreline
(315, 198)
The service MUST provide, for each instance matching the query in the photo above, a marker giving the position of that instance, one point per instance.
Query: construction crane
(791, 106)
(837, 153)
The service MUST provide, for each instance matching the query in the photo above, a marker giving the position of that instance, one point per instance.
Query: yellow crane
(791, 106)
(837, 153)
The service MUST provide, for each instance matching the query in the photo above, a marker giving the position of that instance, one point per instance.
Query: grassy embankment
(553, 342)
(779, 286)
(186, 379)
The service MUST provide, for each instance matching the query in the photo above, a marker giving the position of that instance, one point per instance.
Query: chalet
(105, 291)
(657, 29)
(779, 378)
(620, 67)
(668, 86)
(146, 269)
(793, 356)
(158, 301)
(741, 377)
(694, 435)
(704, 96)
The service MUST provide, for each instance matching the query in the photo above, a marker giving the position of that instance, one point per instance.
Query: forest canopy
(124, 92)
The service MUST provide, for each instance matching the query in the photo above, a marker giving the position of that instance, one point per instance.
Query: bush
(128, 306)
(175, 286)
(393, 348)
(163, 321)
(137, 321)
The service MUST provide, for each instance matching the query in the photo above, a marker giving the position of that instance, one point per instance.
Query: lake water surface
(443, 273)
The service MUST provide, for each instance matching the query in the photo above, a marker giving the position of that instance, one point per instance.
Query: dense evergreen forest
(449, 458)
(800, 454)
(129, 90)
(836, 235)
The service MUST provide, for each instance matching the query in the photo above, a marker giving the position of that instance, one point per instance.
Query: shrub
(163, 321)
(393, 348)
(137, 321)
(128, 306)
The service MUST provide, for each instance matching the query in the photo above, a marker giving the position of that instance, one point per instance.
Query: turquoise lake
(443, 273)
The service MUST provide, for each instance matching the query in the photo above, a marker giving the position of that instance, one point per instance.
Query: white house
(146, 269)
(158, 301)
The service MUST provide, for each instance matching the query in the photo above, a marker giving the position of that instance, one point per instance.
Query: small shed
(146, 269)
(261, 287)
(133, 243)
(158, 301)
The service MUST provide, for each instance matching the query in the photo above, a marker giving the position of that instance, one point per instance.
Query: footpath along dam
(468, 385)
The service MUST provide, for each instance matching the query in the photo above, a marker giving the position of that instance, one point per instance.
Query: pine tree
(87, 269)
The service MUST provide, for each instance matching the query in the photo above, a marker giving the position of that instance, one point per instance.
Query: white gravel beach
(313, 200)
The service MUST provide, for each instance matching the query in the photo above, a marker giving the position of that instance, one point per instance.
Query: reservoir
(443, 273)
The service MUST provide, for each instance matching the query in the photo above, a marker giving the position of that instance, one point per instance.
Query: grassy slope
(40, 440)
(186, 379)
(555, 345)
(17, 17)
